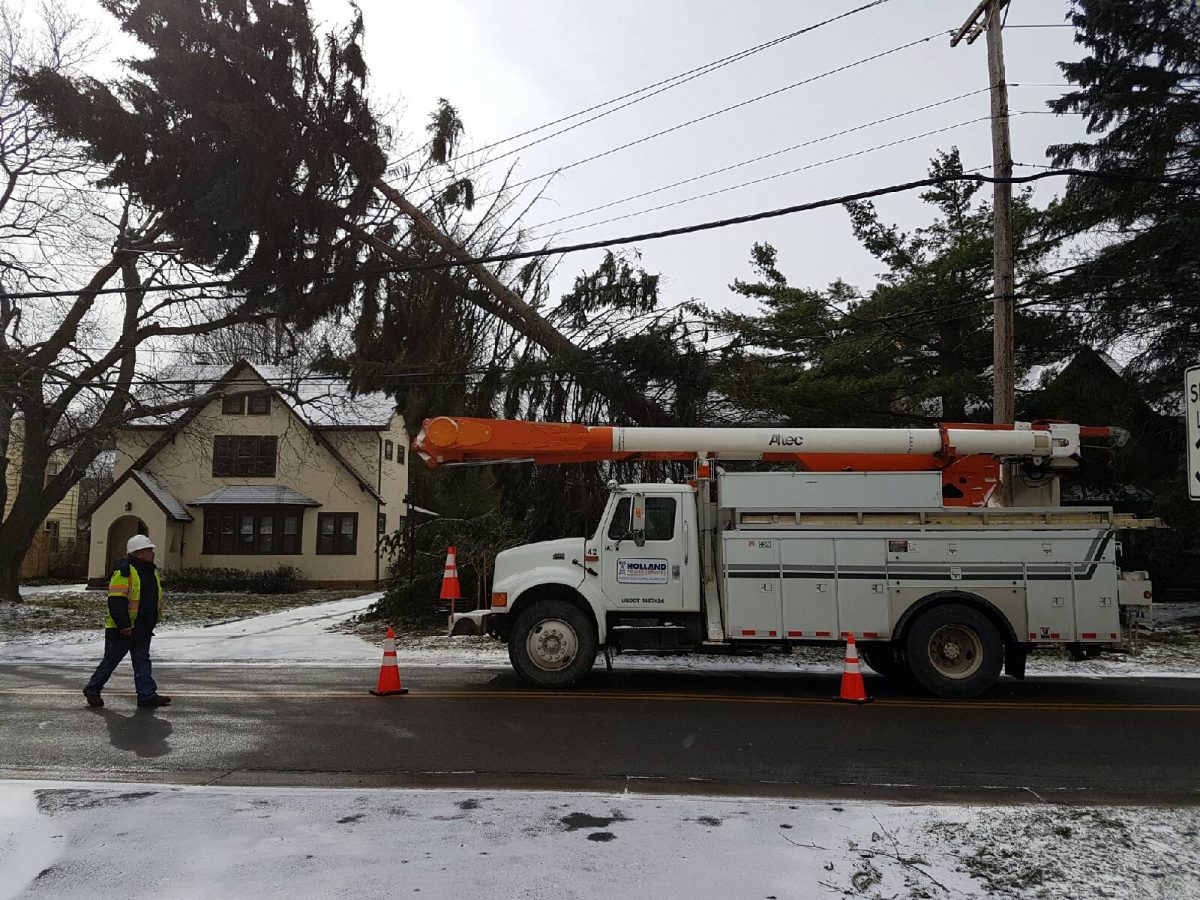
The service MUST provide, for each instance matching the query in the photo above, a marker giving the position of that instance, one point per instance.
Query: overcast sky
(516, 65)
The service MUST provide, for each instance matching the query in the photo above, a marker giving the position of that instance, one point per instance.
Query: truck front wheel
(552, 644)
(954, 651)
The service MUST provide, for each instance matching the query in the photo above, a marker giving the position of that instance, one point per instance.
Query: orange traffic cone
(853, 689)
(450, 588)
(389, 671)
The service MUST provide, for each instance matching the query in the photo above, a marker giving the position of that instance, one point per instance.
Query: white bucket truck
(890, 535)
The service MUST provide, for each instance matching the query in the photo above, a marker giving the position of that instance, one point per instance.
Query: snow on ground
(292, 635)
(29, 590)
(306, 635)
(61, 839)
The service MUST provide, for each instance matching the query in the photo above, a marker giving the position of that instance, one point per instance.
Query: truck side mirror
(639, 519)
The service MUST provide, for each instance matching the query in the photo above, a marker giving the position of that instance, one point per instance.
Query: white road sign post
(1191, 397)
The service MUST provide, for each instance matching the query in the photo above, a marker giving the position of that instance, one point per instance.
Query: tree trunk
(625, 399)
(11, 557)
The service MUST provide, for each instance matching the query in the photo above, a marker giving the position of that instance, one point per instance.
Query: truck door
(647, 577)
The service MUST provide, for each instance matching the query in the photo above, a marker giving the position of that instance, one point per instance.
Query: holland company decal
(642, 571)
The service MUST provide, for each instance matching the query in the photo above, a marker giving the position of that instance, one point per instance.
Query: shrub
(280, 580)
(413, 605)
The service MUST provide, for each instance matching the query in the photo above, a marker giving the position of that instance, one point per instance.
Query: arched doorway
(119, 533)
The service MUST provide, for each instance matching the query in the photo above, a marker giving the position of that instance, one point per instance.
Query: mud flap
(1014, 661)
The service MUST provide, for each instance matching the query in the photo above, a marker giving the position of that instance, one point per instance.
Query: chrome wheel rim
(956, 651)
(552, 645)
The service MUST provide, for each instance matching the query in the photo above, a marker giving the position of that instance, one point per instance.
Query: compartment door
(862, 587)
(1050, 602)
(809, 588)
(752, 587)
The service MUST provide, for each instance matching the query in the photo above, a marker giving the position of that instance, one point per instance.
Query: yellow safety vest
(125, 582)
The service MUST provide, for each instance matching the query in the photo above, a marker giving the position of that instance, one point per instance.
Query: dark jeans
(116, 645)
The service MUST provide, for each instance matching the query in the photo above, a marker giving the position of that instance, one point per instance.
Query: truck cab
(628, 584)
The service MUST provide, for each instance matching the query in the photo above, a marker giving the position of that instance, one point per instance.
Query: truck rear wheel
(885, 659)
(954, 651)
(552, 644)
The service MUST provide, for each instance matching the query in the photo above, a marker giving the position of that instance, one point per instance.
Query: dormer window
(257, 404)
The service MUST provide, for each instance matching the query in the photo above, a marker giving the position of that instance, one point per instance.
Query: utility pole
(987, 17)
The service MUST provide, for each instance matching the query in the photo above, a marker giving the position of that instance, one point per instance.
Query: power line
(755, 159)
(766, 178)
(656, 88)
(694, 228)
(714, 114)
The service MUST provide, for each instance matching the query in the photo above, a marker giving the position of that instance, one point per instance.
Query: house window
(244, 456)
(54, 468)
(400, 454)
(289, 541)
(337, 532)
(387, 449)
(52, 535)
(381, 524)
(233, 405)
(259, 404)
(246, 530)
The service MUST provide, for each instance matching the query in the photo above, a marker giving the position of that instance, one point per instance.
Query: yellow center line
(648, 697)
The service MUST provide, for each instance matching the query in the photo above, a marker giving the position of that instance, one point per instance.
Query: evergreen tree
(916, 347)
(1138, 90)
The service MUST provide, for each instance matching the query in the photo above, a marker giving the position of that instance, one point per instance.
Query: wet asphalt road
(1062, 739)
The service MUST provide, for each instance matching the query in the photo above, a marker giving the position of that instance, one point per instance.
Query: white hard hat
(138, 542)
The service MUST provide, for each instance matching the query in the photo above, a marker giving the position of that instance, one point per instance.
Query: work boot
(93, 699)
(156, 700)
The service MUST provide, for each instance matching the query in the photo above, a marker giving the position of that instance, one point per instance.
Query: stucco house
(54, 544)
(276, 469)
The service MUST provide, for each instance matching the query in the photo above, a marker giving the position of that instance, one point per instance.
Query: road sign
(1191, 397)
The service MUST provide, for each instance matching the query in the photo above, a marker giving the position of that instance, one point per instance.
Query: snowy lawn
(53, 609)
(328, 633)
(64, 840)
(299, 635)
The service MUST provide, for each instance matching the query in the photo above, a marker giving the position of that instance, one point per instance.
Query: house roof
(254, 494)
(188, 414)
(321, 401)
(164, 498)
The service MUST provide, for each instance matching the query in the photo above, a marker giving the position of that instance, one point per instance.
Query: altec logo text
(785, 440)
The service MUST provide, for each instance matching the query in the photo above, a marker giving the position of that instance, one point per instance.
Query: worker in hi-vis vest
(134, 602)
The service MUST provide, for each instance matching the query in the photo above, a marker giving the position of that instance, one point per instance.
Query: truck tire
(552, 644)
(954, 651)
(885, 659)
